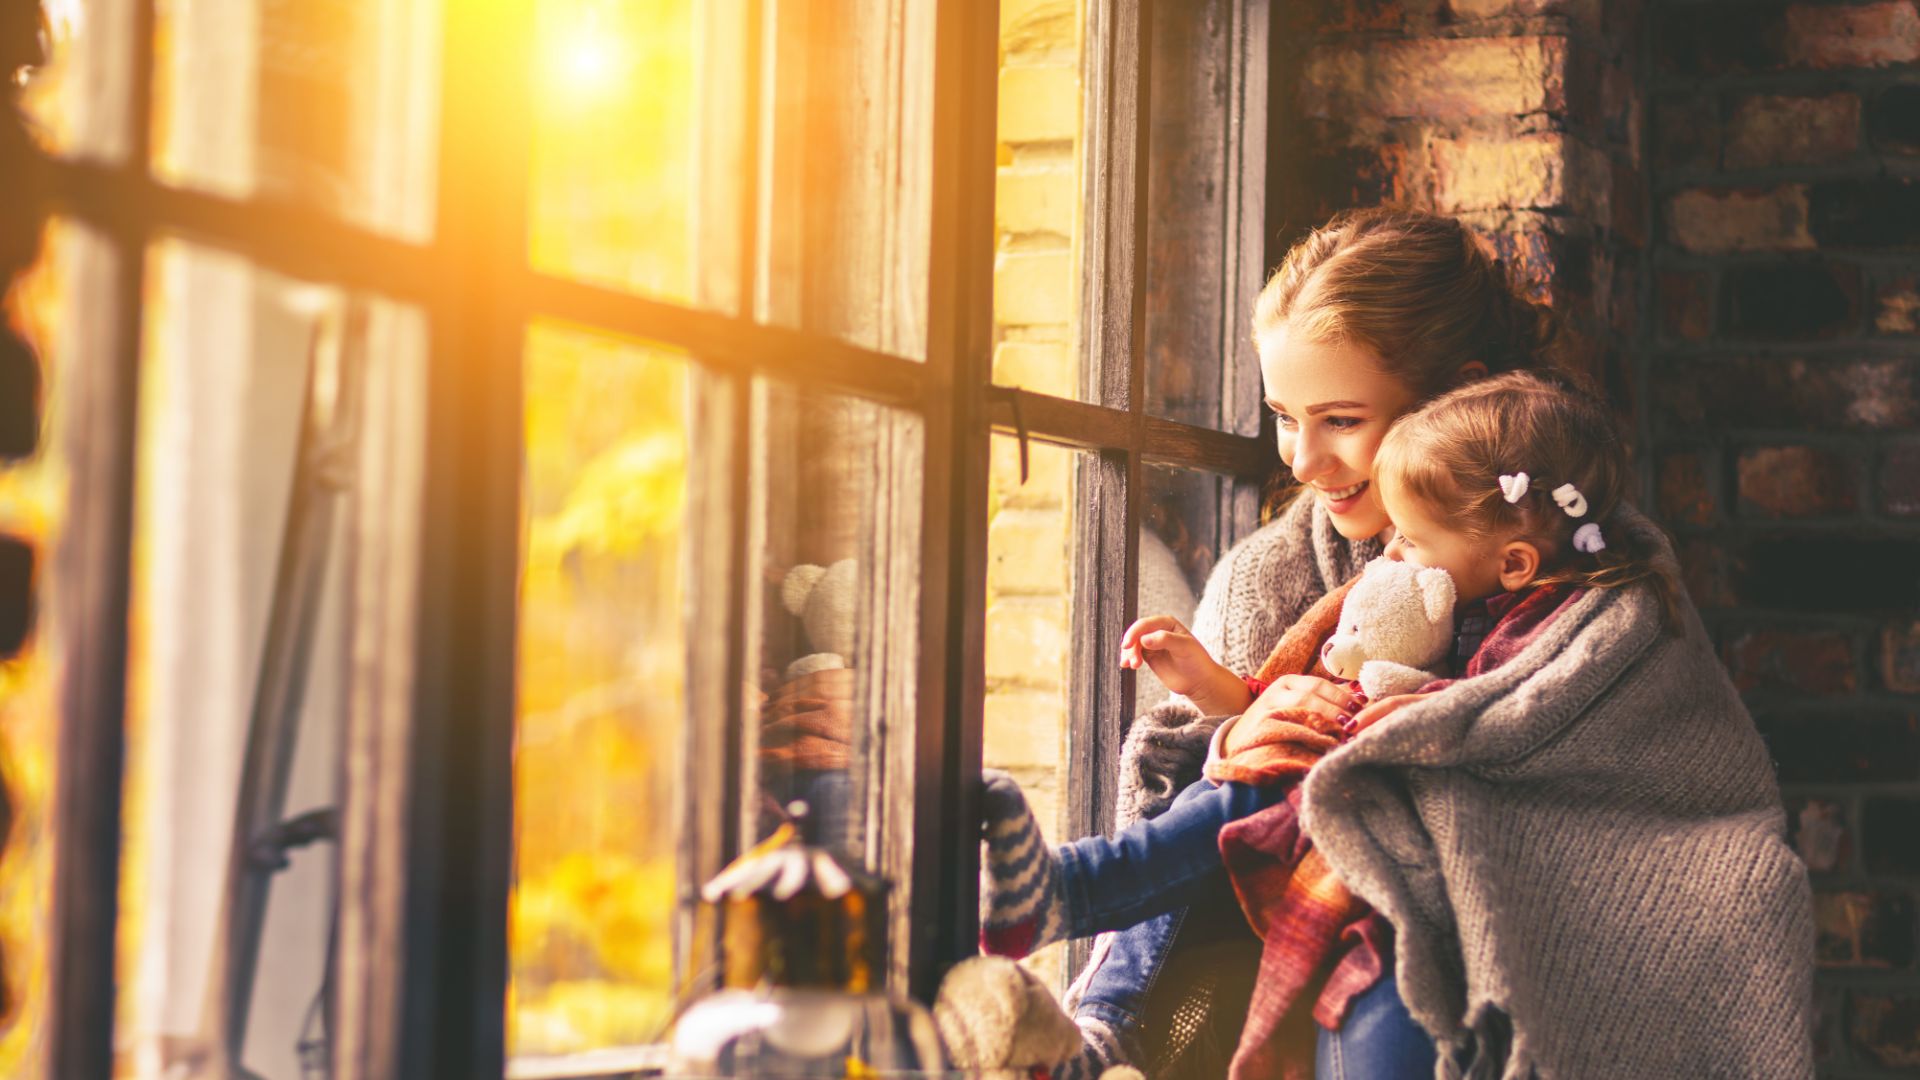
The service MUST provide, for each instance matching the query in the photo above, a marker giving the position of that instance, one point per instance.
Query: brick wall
(1522, 117)
(1783, 385)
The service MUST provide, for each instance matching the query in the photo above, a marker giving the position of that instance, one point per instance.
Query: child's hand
(1182, 665)
(1382, 709)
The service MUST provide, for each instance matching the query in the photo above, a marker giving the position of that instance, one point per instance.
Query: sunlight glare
(584, 62)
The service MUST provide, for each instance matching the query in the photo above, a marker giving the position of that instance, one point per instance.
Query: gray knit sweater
(1258, 589)
(1583, 856)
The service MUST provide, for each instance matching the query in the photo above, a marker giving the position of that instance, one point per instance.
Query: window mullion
(943, 882)
(91, 751)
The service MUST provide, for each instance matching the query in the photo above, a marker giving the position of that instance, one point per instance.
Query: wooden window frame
(426, 994)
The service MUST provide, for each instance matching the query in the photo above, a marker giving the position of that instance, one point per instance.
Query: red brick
(1686, 305)
(1798, 301)
(1900, 660)
(1719, 39)
(1797, 482)
(1435, 78)
(1801, 662)
(1893, 120)
(1686, 133)
(1883, 1027)
(1872, 930)
(1900, 481)
(1767, 130)
(1773, 392)
(1485, 173)
(1818, 828)
(1896, 305)
(1843, 36)
(1716, 221)
(1685, 495)
(1851, 749)
(1881, 212)
(1890, 836)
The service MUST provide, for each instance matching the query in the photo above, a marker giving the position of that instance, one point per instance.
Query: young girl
(1509, 484)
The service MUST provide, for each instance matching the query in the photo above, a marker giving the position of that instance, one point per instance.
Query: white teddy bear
(825, 598)
(1396, 621)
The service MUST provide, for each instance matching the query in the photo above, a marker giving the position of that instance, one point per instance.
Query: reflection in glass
(1182, 513)
(835, 540)
(78, 99)
(602, 660)
(50, 307)
(1029, 597)
(329, 105)
(613, 143)
(251, 458)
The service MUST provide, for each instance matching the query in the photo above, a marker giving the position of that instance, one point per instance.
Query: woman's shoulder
(1262, 583)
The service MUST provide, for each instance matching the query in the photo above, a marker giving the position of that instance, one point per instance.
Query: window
(691, 401)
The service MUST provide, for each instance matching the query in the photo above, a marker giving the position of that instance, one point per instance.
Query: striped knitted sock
(1101, 1048)
(1023, 901)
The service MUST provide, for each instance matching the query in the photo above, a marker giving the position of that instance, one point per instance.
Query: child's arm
(1183, 665)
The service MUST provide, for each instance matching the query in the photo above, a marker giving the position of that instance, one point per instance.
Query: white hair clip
(1570, 500)
(1587, 538)
(1514, 486)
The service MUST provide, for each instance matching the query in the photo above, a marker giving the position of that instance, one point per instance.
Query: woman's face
(1333, 405)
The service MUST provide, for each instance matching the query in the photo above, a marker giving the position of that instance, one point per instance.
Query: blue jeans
(1379, 1041)
(1163, 876)
(1142, 883)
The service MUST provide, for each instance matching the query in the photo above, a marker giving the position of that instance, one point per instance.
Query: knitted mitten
(1102, 1047)
(1023, 901)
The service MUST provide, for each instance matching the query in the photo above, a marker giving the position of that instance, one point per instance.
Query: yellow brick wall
(1035, 307)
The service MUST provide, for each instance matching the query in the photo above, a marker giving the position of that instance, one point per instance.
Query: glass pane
(602, 660)
(834, 610)
(332, 105)
(78, 99)
(846, 199)
(1181, 515)
(261, 408)
(1195, 339)
(1029, 600)
(49, 307)
(1037, 199)
(615, 101)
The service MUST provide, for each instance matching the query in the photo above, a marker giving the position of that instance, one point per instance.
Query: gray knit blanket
(1583, 855)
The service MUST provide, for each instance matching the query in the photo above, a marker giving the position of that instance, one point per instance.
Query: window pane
(79, 98)
(614, 123)
(602, 655)
(52, 307)
(332, 105)
(1200, 366)
(1029, 598)
(846, 202)
(834, 617)
(1037, 199)
(1182, 515)
(264, 427)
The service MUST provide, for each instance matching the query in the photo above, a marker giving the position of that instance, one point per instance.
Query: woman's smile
(1342, 500)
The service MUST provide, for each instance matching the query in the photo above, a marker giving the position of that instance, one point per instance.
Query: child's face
(1479, 566)
(1332, 405)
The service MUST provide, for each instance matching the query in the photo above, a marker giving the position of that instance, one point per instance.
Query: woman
(1370, 316)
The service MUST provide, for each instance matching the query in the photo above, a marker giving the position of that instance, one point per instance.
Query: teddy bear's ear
(1436, 592)
(798, 585)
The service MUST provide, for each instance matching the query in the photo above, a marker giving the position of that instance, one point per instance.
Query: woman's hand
(1324, 697)
(1382, 709)
(1182, 665)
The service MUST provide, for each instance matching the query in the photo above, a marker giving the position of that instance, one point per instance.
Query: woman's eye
(1343, 423)
(1284, 422)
